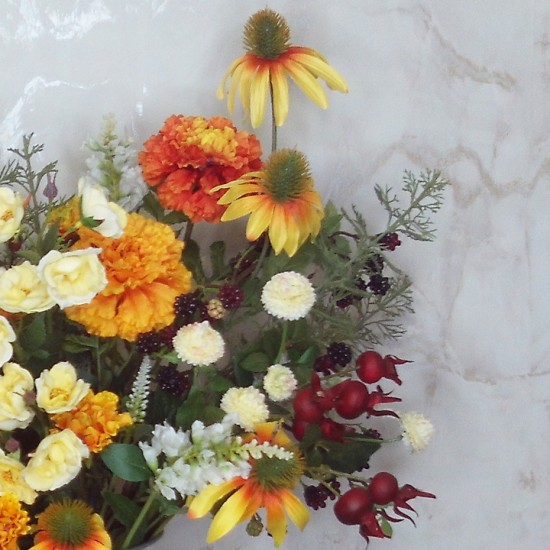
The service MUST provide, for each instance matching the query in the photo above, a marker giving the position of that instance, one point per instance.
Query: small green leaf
(256, 362)
(31, 255)
(349, 456)
(217, 259)
(34, 334)
(192, 260)
(126, 461)
(125, 510)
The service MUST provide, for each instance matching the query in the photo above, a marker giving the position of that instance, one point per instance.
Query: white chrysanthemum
(279, 382)
(198, 344)
(288, 295)
(417, 430)
(248, 404)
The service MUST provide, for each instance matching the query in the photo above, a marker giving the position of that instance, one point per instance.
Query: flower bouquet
(146, 374)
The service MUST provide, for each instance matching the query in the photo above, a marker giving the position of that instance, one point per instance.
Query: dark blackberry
(346, 301)
(230, 296)
(149, 342)
(173, 381)
(340, 353)
(389, 241)
(185, 305)
(240, 264)
(375, 264)
(316, 496)
(324, 364)
(379, 285)
(167, 335)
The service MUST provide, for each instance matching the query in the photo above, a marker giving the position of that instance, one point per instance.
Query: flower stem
(282, 346)
(139, 521)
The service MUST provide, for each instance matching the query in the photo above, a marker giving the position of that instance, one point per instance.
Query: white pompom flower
(199, 344)
(279, 382)
(247, 404)
(288, 295)
(417, 430)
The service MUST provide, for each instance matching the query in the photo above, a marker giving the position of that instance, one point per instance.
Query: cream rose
(95, 205)
(58, 389)
(15, 383)
(11, 213)
(11, 480)
(73, 278)
(56, 461)
(23, 291)
(7, 336)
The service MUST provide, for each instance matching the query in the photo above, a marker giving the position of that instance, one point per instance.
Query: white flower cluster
(113, 165)
(417, 430)
(186, 462)
(288, 295)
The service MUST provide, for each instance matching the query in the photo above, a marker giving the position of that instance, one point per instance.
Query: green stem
(139, 521)
(282, 346)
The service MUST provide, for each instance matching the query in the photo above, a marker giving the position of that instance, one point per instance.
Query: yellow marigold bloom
(268, 486)
(145, 275)
(280, 198)
(269, 60)
(14, 522)
(70, 525)
(95, 420)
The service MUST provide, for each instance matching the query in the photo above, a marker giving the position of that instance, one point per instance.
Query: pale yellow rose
(59, 390)
(23, 291)
(11, 213)
(95, 205)
(7, 336)
(56, 461)
(73, 278)
(15, 383)
(11, 480)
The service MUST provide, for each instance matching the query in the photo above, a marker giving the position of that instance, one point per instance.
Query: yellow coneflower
(269, 60)
(280, 198)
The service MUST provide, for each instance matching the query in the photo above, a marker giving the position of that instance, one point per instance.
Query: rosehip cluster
(364, 506)
(349, 399)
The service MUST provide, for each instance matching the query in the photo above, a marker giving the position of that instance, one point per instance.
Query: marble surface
(458, 86)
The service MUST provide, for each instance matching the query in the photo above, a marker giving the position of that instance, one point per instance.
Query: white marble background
(459, 86)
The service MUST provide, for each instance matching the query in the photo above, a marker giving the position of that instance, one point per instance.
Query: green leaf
(256, 362)
(271, 341)
(219, 384)
(34, 334)
(50, 238)
(152, 205)
(125, 509)
(173, 218)
(217, 259)
(349, 456)
(126, 461)
(31, 255)
(192, 259)
(387, 529)
(308, 356)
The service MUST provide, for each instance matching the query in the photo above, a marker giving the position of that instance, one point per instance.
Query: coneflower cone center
(273, 473)
(287, 175)
(266, 34)
(68, 523)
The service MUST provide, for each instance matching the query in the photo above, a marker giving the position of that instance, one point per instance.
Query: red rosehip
(306, 407)
(352, 399)
(299, 428)
(352, 505)
(383, 488)
(370, 367)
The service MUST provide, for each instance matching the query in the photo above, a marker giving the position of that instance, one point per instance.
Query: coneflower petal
(318, 67)
(229, 515)
(276, 519)
(293, 237)
(277, 229)
(241, 207)
(306, 82)
(234, 85)
(220, 92)
(297, 512)
(280, 93)
(258, 95)
(237, 191)
(203, 502)
(259, 220)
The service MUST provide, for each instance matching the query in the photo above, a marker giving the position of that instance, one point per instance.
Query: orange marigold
(13, 521)
(145, 275)
(192, 155)
(95, 420)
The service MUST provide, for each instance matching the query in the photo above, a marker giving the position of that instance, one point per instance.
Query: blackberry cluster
(375, 264)
(230, 296)
(316, 496)
(149, 342)
(340, 353)
(389, 241)
(348, 300)
(173, 381)
(239, 264)
(167, 335)
(185, 305)
(379, 284)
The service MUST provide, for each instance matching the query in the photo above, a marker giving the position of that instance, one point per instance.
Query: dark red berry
(389, 241)
(324, 364)
(383, 488)
(370, 367)
(149, 342)
(306, 407)
(186, 305)
(352, 399)
(230, 296)
(340, 353)
(352, 505)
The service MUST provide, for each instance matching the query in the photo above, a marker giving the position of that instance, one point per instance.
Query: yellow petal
(292, 235)
(277, 229)
(307, 83)
(323, 70)
(237, 191)
(259, 220)
(235, 81)
(280, 94)
(241, 207)
(297, 512)
(203, 502)
(276, 519)
(220, 92)
(258, 95)
(229, 515)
